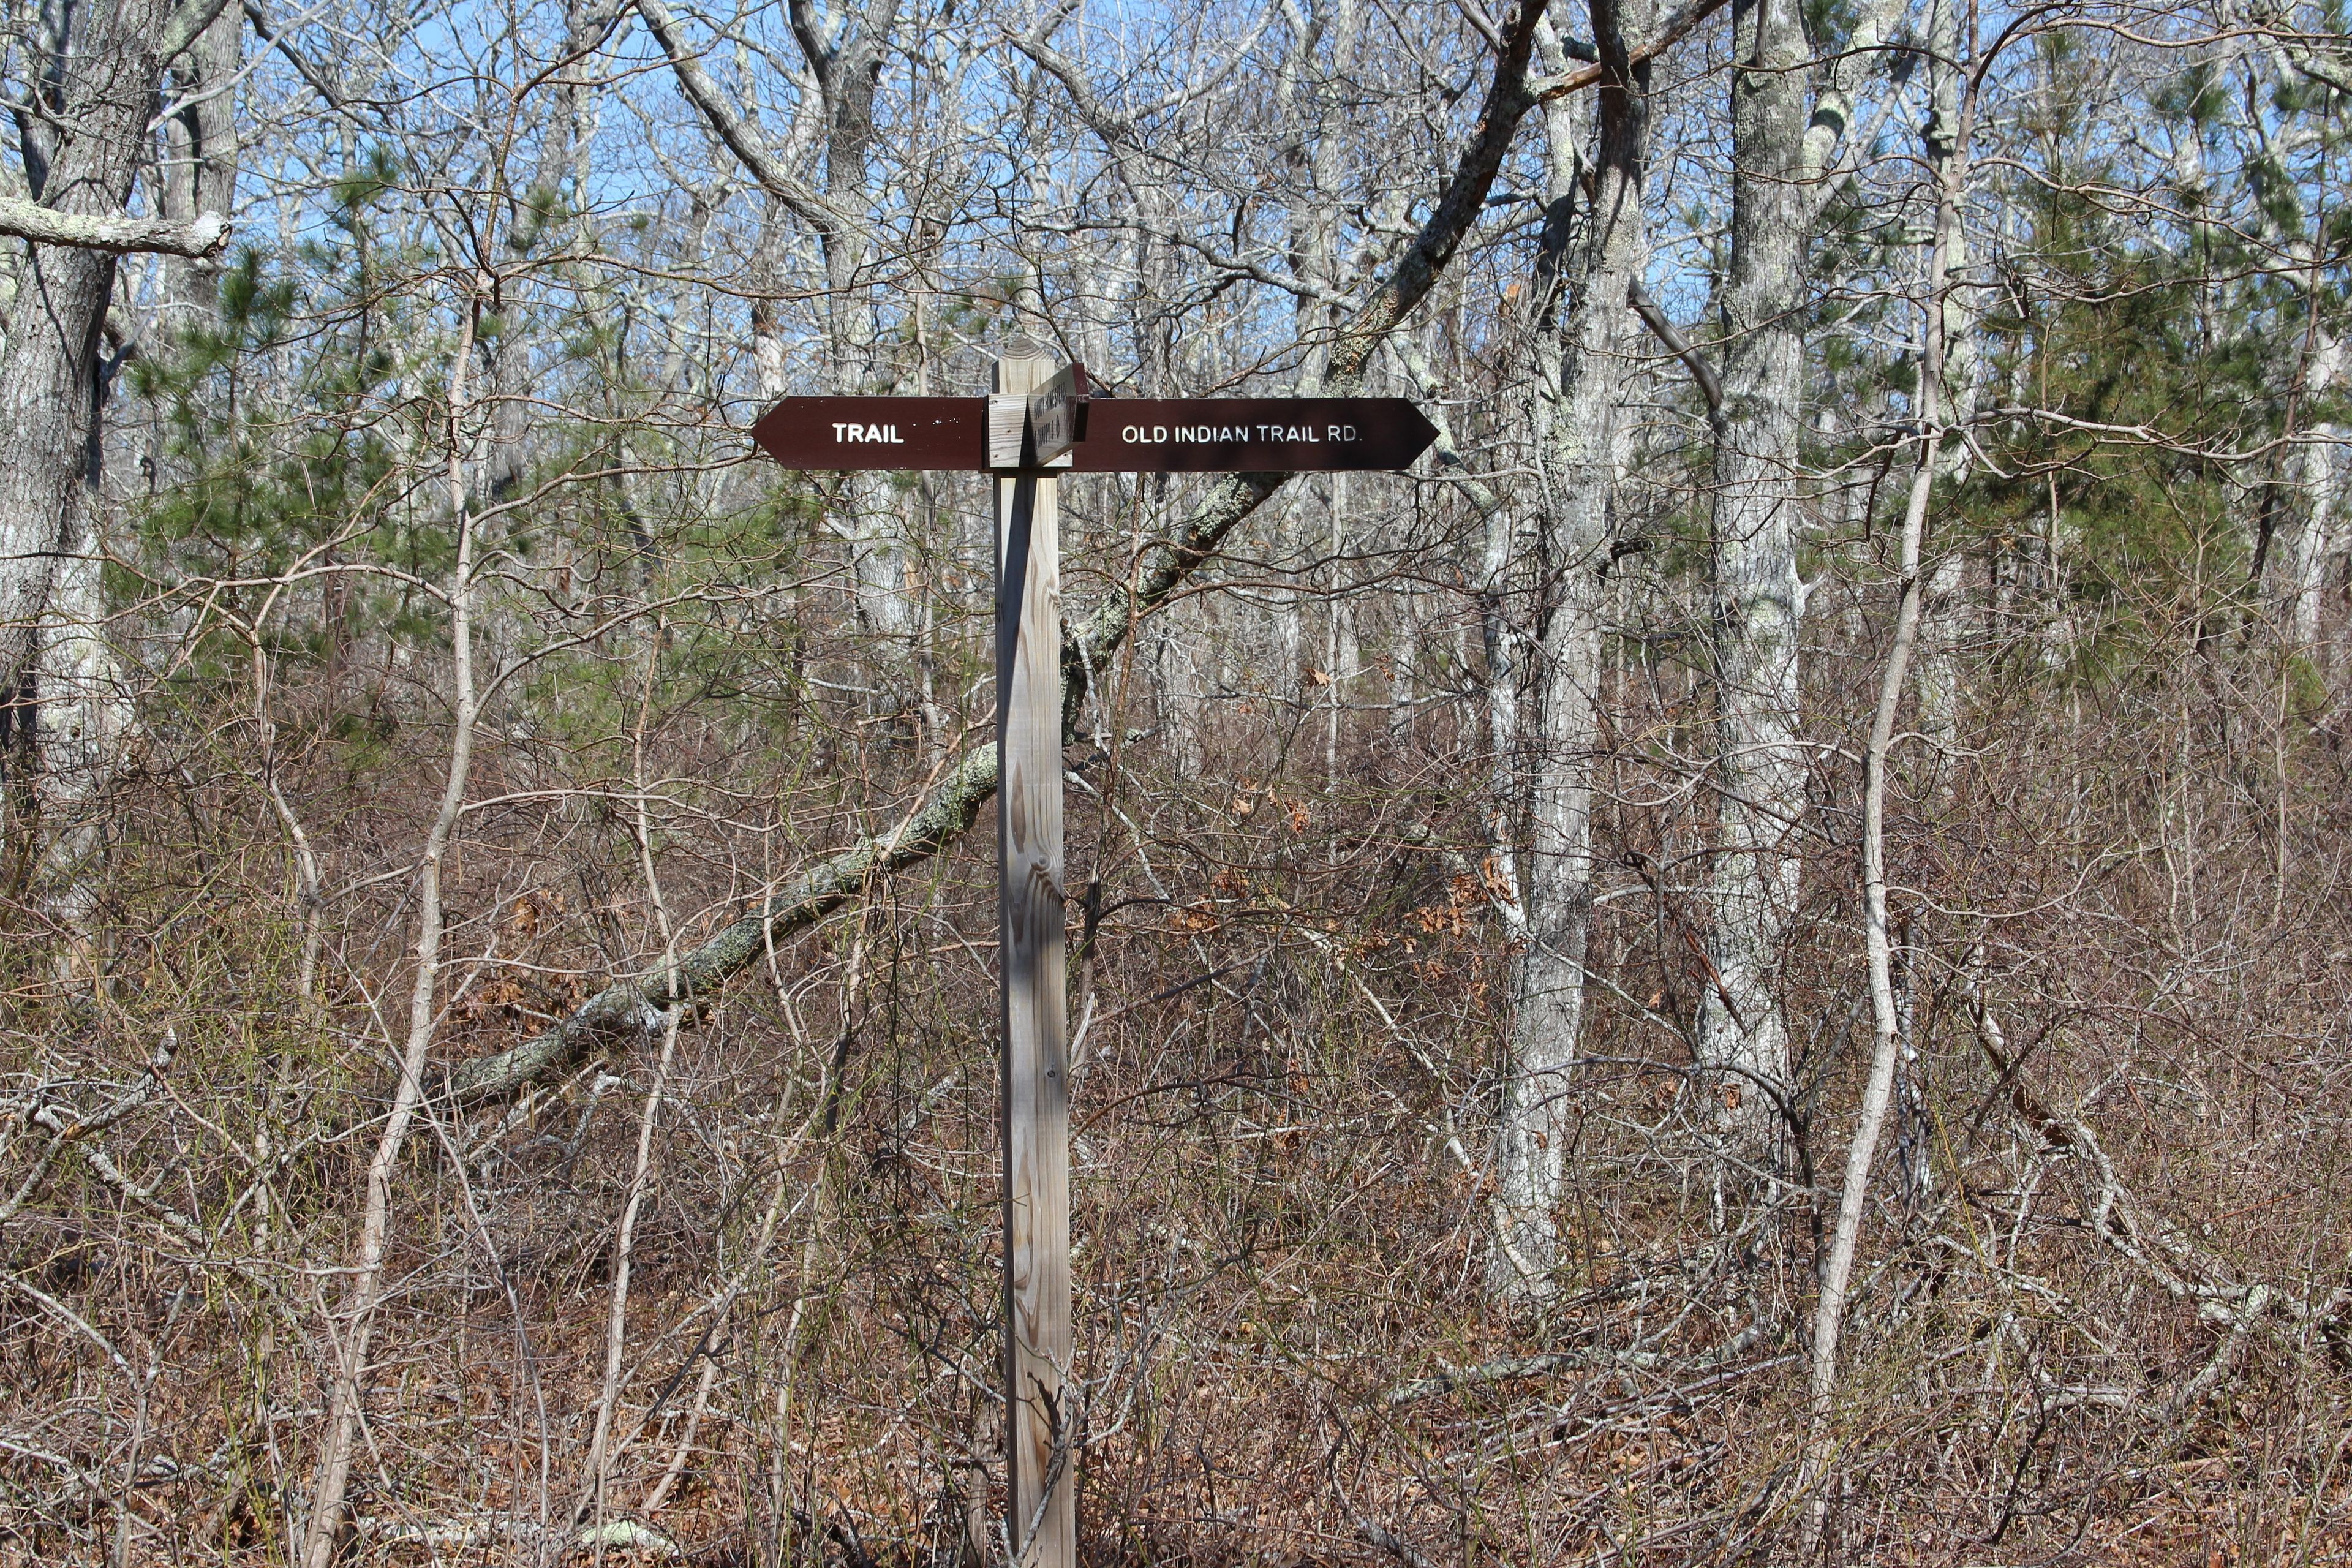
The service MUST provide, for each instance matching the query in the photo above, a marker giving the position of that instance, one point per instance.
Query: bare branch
(1663, 327)
(206, 235)
(1681, 24)
(741, 137)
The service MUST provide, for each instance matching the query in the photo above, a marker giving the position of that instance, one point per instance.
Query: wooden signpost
(1038, 423)
(1038, 1440)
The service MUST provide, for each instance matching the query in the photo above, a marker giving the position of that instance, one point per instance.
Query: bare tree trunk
(2316, 468)
(84, 721)
(1759, 600)
(1579, 391)
(1505, 650)
(1943, 610)
(1837, 1270)
(81, 150)
(2292, 570)
(844, 54)
(1785, 142)
(201, 151)
(85, 710)
(365, 1290)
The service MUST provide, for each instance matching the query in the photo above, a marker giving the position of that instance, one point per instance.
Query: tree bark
(1942, 603)
(80, 163)
(1579, 433)
(82, 152)
(2315, 469)
(202, 152)
(1759, 598)
(205, 233)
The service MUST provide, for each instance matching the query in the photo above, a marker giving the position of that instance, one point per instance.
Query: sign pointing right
(1250, 435)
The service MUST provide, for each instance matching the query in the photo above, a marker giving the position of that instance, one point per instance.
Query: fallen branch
(2160, 1250)
(469, 1535)
(636, 1008)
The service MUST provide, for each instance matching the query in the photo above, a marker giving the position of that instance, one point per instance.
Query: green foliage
(302, 425)
(262, 483)
(2163, 361)
(284, 428)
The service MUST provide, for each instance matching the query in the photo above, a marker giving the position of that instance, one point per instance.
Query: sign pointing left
(876, 433)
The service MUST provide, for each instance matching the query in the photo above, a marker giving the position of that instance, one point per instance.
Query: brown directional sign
(1256, 435)
(1118, 434)
(876, 433)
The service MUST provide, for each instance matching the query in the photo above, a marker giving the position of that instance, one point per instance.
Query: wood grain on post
(1041, 1455)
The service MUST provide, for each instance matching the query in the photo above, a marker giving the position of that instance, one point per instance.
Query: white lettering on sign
(886, 435)
(1220, 435)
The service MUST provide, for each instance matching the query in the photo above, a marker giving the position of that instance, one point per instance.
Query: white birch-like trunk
(2315, 469)
(1581, 358)
(1885, 1008)
(1759, 763)
(1943, 605)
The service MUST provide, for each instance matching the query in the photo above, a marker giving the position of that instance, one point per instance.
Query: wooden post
(1041, 1458)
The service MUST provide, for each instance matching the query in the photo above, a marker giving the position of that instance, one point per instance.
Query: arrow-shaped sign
(1129, 435)
(876, 433)
(1253, 434)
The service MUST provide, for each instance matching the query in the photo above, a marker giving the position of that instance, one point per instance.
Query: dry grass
(1294, 995)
